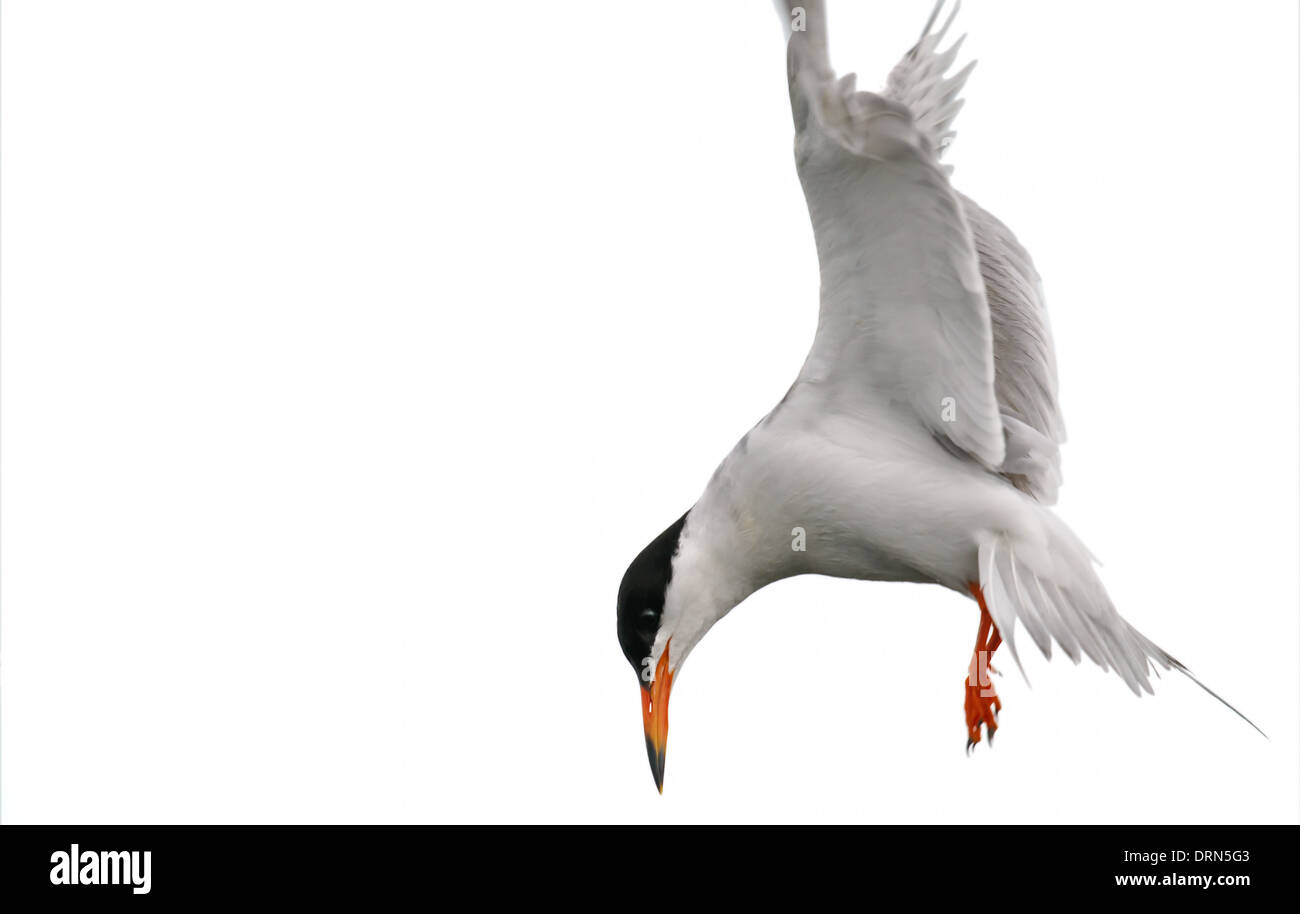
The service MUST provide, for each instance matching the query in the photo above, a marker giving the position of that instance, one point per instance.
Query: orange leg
(982, 704)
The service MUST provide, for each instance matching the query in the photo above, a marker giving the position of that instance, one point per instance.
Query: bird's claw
(982, 704)
(982, 707)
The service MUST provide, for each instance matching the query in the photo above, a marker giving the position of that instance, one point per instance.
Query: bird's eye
(647, 621)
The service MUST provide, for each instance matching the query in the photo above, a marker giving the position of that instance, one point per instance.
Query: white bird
(919, 441)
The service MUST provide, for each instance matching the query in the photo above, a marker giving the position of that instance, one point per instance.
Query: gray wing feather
(1024, 358)
(947, 293)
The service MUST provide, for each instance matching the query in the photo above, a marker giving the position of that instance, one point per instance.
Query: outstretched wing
(904, 313)
(1024, 360)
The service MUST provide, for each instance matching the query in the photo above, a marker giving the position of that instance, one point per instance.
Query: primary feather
(858, 154)
(903, 308)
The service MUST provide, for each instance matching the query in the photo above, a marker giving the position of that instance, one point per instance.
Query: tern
(921, 439)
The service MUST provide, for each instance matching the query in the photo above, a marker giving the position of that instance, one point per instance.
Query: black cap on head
(641, 595)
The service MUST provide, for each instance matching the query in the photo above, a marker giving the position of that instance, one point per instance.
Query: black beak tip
(657, 760)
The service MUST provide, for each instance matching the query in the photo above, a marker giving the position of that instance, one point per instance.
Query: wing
(918, 82)
(1024, 359)
(903, 312)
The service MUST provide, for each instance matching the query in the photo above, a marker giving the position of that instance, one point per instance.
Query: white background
(352, 350)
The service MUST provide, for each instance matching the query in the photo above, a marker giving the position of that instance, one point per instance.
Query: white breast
(858, 491)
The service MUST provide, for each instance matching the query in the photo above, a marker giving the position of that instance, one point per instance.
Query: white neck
(713, 571)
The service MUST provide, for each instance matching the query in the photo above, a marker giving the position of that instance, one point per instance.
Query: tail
(1052, 588)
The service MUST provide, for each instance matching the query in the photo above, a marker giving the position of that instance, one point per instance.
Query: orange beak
(654, 714)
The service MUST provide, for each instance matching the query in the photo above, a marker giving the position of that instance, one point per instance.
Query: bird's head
(687, 579)
(645, 642)
(661, 616)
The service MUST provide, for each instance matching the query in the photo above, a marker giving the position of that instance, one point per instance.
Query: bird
(920, 440)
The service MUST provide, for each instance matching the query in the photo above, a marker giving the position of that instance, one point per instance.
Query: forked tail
(1053, 589)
